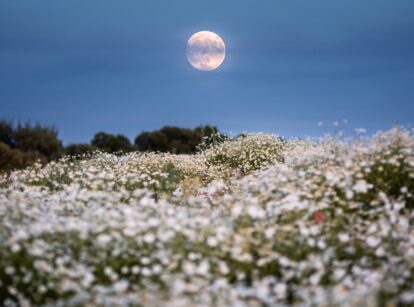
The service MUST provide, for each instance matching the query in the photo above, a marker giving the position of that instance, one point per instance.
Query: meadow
(252, 221)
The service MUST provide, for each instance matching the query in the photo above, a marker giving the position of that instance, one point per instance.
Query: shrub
(174, 139)
(38, 141)
(6, 133)
(111, 143)
(391, 170)
(10, 158)
(246, 153)
(78, 150)
(212, 140)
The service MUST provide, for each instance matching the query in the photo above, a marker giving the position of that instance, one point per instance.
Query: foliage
(10, 159)
(212, 140)
(174, 139)
(79, 150)
(246, 153)
(6, 133)
(24, 144)
(111, 143)
(28, 143)
(40, 140)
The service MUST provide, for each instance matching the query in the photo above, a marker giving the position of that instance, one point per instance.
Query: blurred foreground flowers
(252, 221)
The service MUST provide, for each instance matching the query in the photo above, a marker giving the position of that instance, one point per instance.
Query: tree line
(23, 144)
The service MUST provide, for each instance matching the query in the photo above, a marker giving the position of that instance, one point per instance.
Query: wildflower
(373, 241)
(343, 237)
(319, 217)
(280, 290)
(362, 186)
(212, 242)
(121, 286)
(103, 239)
(149, 238)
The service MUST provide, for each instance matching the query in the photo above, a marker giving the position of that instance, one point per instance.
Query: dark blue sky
(120, 66)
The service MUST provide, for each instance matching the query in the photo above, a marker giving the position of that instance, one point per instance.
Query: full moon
(205, 50)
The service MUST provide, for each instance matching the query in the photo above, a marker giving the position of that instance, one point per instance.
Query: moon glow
(205, 50)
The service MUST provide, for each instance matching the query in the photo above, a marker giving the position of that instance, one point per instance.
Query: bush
(111, 143)
(391, 170)
(22, 145)
(246, 153)
(38, 141)
(10, 158)
(212, 140)
(78, 150)
(6, 133)
(174, 139)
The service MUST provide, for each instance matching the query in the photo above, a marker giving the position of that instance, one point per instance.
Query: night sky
(120, 66)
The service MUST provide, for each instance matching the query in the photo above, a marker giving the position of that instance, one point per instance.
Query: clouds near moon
(205, 50)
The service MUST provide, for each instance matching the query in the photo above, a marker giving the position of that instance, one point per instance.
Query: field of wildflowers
(253, 221)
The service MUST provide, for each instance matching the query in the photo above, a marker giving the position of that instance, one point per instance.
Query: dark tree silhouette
(38, 141)
(79, 149)
(174, 139)
(10, 159)
(6, 133)
(23, 144)
(111, 143)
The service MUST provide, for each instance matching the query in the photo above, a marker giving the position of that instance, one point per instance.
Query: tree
(209, 136)
(40, 142)
(10, 159)
(6, 133)
(205, 131)
(111, 143)
(77, 150)
(173, 139)
(167, 139)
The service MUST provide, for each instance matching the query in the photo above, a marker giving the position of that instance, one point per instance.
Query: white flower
(380, 252)
(88, 279)
(104, 239)
(339, 273)
(321, 244)
(362, 186)
(256, 212)
(177, 192)
(343, 237)
(224, 269)
(135, 269)
(203, 268)
(145, 260)
(373, 241)
(212, 241)
(236, 210)
(149, 238)
(189, 268)
(407, 297)
(314, 279)
(280, 290)
(349, 194)
(269, 232)
(10, 270)
(146, 272)
(15, 248)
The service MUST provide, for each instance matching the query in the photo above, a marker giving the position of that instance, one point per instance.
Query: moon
(205, 50)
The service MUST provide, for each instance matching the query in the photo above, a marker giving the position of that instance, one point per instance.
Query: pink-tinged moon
(205, 50)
